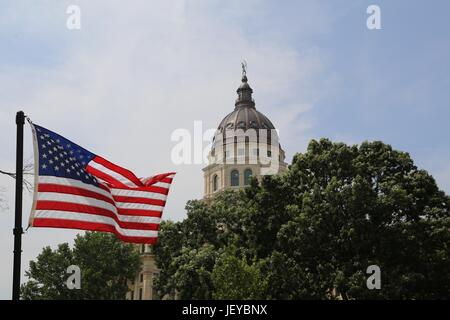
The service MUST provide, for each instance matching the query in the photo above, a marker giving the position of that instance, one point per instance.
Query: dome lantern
(245, 116)
(244, 91)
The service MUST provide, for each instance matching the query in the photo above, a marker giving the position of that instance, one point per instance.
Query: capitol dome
(245, 145)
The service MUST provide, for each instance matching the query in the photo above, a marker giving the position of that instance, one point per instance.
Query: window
(140, 293)
(234, 178)
(241, 152)
(215, 182)
(247, 176)
(269, 153)
(141, 277)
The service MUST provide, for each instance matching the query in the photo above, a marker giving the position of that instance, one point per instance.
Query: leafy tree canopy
(312, 232)
(106, 265)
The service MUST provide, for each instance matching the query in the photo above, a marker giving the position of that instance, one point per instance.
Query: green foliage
(193, 275)
(312, 232)
(106, 265)
(234, 278)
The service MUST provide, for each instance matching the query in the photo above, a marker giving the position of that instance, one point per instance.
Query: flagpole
(18, 231)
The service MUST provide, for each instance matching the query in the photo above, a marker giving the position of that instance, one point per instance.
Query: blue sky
(137, 71)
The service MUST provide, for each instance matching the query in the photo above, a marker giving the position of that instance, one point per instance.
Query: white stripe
(138, 194)
(161, 185)
(140, 206)
(111, 173)
(74, 183)
(75, 216)
(140, 219)
(76, 199)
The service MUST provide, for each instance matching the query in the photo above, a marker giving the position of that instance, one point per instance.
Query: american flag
(77, 189)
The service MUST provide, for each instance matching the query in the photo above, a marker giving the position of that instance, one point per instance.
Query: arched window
(234, 178)
(247, 176)
(215, 182)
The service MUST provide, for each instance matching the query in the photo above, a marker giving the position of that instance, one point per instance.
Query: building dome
(245, 146)
(245, 116)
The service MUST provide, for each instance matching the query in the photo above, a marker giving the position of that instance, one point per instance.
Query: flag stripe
(151, 192)
(120, 173)
(73, 183)
(89, 201)
(138, 212)
(131, 222)
(95, 226)
(46, 187)
(140, 200)
(163, 185)
(165, 177)
(76, 199)
(140, 206)
(43, 207)
(101, 175)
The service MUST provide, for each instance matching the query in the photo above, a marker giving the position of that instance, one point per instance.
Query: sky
(136, 71)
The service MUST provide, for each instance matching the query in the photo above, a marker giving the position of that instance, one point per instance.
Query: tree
(193, 276)
(27, 185)
(312, 232)
(234, 278)
(367, 205)
(27, 171)
(106, 265)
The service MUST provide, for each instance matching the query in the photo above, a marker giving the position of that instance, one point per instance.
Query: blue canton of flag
(62, 158)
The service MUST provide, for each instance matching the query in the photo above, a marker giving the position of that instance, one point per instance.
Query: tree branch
(27, 171)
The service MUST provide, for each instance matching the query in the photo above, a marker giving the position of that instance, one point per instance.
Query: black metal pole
(20, 121)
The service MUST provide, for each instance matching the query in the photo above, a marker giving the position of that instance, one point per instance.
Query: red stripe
(101, 175)
(81, 208)
(150, 201)
(104, 187)
(138, 212)
(92, 226)
(159, 190)
(57, 188)
(159, 178)
(122, 171)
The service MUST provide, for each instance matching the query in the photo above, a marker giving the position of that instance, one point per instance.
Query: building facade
(141, 288)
